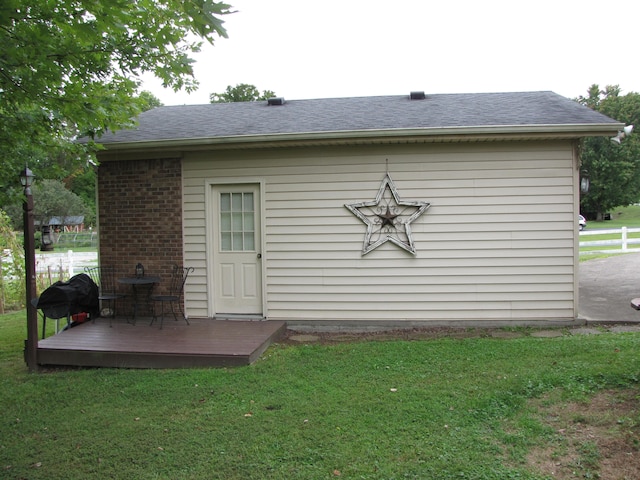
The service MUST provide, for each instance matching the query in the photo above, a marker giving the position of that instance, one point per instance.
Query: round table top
(144, 280)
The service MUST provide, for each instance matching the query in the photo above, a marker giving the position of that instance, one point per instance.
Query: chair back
(178, 279)
(104, 277)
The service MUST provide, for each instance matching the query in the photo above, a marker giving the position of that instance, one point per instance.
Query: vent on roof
(417, 96)
(275, 101)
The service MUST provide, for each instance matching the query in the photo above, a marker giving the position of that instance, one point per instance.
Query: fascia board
(432, 134)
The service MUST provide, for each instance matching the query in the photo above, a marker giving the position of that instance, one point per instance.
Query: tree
(71, 68)
(51, 199)
(241, 93)
(148, 101)
(82, 183)
(82, 179)
(613, 169)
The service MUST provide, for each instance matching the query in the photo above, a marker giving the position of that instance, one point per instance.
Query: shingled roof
(532, 113)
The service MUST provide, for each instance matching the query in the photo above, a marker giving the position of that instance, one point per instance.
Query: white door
(237, 264)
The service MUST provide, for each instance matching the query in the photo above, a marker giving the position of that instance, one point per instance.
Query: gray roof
(68, 220)
(455, 114)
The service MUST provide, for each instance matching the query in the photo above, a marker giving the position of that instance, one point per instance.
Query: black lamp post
(31, 344)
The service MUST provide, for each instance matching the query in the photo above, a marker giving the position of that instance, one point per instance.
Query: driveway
(607, 286)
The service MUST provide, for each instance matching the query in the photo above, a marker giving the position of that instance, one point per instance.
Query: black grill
(63, 299)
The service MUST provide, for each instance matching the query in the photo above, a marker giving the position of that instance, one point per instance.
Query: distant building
(72, 223)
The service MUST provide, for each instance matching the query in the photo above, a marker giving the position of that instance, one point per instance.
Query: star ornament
(388, 218)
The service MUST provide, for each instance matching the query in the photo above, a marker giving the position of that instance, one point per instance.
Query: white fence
(64, 264)
(620, 245)
(55, 263)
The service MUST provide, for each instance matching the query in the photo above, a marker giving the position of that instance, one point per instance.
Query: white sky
(304, 49)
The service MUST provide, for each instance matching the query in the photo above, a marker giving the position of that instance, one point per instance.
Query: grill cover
(78, 294)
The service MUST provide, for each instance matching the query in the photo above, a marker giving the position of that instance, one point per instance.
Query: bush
(12, 286)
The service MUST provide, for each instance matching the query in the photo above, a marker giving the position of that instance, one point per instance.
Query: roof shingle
(358, 114)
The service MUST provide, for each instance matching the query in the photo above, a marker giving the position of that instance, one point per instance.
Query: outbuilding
(371, 212)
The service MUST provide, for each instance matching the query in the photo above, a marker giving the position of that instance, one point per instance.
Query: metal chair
(104, 277)
(173, 298)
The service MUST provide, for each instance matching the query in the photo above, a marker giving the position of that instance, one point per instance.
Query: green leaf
(72, 67)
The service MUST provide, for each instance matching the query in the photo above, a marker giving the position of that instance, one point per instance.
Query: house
(69, 223)
(390, 211)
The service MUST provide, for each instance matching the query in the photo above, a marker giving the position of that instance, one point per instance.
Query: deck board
(205, 342)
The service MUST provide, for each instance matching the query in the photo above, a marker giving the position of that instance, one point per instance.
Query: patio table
(144, 283)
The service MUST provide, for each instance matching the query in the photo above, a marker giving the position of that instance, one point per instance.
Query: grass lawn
(438, 408)
(620, 217)
(628, 216)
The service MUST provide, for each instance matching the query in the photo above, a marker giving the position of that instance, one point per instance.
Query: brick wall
(140, 216)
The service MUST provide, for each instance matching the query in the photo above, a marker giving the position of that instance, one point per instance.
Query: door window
(237, 222)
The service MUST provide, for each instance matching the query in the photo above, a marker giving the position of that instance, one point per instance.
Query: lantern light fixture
(584, 182)
(26, 178)
(46, 242)
(139, 270)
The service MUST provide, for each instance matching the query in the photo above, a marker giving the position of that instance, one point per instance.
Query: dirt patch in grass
(335, 336)
(598, 439)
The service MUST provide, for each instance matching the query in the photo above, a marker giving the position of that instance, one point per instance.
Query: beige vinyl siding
(496, 245)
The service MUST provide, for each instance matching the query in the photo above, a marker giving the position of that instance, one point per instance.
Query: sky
(308, 49)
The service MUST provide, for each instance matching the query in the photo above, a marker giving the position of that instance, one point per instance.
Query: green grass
(370, 410)
(620, 217)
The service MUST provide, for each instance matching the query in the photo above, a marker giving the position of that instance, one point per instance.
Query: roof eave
(427, 135)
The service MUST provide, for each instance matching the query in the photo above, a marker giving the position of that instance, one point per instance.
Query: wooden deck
(204, 343)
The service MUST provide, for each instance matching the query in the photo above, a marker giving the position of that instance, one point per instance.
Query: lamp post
(31, 345)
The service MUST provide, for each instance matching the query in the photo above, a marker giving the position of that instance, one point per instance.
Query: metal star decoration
(388, 219)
